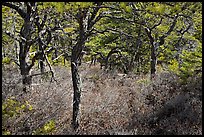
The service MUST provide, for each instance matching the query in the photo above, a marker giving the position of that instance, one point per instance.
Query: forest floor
(111, 103)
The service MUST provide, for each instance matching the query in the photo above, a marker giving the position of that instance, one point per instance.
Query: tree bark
(153, 53)
(77, 94)
(41, 62)
(153, 61)
(75, 59)
(26, 80)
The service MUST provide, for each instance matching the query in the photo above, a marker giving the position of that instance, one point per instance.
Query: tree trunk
(75, 57)
(153, 61)
(153, 53)
(42, 68)
(77, 93)
(41, 61)
(26, 80)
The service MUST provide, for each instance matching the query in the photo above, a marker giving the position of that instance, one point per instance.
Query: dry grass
(110, 103)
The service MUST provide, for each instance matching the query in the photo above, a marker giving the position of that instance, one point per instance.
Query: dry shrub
(110, 103)
(170, 107)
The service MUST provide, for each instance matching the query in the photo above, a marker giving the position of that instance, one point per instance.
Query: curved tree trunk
(84, 33)
(75, 57)
(75, 60)
(77, 93)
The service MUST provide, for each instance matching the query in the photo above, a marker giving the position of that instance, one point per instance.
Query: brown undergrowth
(111, 103)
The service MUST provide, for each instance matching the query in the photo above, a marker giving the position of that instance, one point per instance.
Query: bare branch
(58, 57)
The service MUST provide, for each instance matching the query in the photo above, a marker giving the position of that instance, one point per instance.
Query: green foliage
(6, 60)
(162, 28)
(69, 29)
(126, 18)
(174, 65)
(62, 7)
(47, 129)
(119, 27)
(13, 108)
(124, 6)
(6, 132)
(158, 8)
(192, 61)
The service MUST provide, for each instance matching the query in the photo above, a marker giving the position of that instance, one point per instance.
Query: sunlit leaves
(174, 65)
(6, 132)
(124, 5)
(69, 29)
(192, 61)
(162, 28)
(5, 10)
(6, 60)
(60, 6)
(160, 8)
(156, 7)
(171, 37)
(29, 106)
(11, 108)
(148, 15)
(177, 8)
(70, 6)
(47, 128)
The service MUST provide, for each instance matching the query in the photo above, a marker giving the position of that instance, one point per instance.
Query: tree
(28, 38)
(128, 36)
(86, 17)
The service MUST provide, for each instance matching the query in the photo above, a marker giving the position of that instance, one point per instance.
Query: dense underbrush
(111, 103)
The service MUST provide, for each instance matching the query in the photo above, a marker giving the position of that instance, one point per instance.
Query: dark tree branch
(29, 8)
(156, 24)
(148, 31)
(37, 56)
(43, 21)
(49, 37)
(93, 15)
(112, 51)
(161, 42)
(20, 11)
